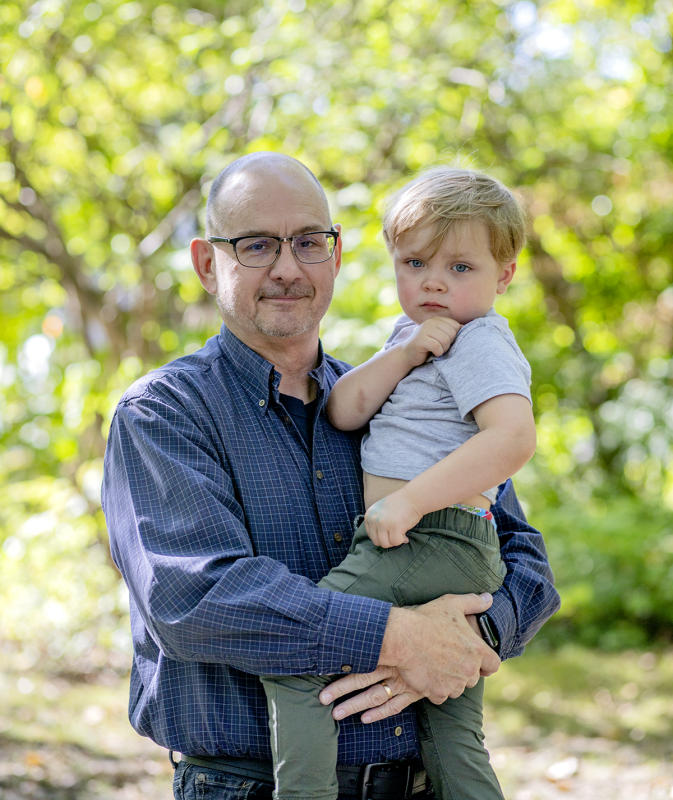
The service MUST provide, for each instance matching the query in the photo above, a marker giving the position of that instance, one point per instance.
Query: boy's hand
(388, 520)
(434, 336)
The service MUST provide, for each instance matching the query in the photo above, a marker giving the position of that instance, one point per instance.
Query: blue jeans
(191, 782)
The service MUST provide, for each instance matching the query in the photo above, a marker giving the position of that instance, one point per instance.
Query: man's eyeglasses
(262, 251)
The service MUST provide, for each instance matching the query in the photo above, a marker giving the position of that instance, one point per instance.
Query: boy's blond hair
(445, 195)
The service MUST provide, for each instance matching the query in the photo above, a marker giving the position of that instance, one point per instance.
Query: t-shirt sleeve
(481, 364)
(402, 330)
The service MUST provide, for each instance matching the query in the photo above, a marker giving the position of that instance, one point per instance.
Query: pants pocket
(350, 576)
(201, 783)
(442, 563)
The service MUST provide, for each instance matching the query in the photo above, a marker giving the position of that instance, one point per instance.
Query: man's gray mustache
(294, 294)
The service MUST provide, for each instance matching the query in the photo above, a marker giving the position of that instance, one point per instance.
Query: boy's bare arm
(505, 442)
(359, 394)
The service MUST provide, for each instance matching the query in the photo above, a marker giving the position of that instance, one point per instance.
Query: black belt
(388, 780)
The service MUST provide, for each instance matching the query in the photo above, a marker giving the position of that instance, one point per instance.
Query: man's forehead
(266, 191)
(260, 173)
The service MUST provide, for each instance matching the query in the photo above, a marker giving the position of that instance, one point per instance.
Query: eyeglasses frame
(280, 239)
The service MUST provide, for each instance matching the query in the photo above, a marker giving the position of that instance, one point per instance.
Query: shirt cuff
(353, 633)
(502, 617)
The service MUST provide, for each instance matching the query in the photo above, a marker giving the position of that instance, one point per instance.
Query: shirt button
(346, 668)
(262, 403)
(398, 730)
(338, 537)
(319, 474)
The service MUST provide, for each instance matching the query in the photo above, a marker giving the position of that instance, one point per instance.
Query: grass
(581, 723)
(69, 739)
(558, 722)
(624, 697)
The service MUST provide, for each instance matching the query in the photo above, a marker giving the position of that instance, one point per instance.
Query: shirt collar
(257, 374)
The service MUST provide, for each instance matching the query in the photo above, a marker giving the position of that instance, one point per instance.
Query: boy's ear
(506, 276)
(203, 261)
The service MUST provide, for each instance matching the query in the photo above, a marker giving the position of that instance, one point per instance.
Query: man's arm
(527, 597)
(428, 651)
(179, 536)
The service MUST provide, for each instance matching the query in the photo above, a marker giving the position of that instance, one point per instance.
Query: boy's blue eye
(461, 267)
(416, 263)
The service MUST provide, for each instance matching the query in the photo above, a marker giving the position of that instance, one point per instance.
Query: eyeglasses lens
(261, 251)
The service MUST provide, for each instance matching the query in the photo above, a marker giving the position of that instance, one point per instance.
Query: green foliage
(116, 114)
(613, 565)
(68, 607)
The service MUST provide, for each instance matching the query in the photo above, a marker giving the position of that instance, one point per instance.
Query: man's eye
(258, 245)
(461, 267)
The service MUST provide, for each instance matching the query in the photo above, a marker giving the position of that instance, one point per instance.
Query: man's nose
(286, 264)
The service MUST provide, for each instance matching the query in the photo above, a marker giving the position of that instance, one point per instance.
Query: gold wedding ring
(389, 691)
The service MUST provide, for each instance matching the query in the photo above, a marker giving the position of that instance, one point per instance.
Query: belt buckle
(366, 782)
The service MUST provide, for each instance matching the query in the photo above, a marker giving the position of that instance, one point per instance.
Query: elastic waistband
(446, 516)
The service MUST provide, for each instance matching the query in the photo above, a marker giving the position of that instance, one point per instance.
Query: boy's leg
(303, 738)
(459, 553)
(452, 746)
(449, 551)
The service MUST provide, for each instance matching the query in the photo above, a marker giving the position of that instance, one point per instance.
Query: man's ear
(337, 249)
(506, 277)
(203, 261)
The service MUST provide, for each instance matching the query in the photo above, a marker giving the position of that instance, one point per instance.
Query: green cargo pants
(449, 551)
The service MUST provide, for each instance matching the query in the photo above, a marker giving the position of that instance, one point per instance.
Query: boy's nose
(434, 283)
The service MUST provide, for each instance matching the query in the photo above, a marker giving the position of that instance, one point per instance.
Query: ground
(567, 723)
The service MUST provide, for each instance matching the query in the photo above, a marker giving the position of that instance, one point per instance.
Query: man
(228, 494)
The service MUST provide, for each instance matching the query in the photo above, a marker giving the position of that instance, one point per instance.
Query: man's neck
(294, 366)
(293, 357)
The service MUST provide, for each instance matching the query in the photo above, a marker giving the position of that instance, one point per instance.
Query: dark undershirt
(302, 415)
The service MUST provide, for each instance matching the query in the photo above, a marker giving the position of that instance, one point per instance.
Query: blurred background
(114, 118)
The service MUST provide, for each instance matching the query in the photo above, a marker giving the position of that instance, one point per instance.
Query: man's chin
(284, 329)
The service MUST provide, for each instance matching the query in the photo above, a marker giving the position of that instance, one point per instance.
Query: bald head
(237, 181)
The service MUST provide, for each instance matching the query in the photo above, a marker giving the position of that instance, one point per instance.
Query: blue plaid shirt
(221, 519)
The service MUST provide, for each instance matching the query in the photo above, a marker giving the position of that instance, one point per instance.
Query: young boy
(448, 402)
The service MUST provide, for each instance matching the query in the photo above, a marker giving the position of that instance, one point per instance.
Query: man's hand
(388, 520)
(375, 701)
(435, 336)
(429, 651)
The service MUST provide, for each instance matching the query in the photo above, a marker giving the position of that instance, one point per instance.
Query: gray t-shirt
(429, 414)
